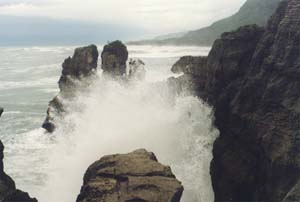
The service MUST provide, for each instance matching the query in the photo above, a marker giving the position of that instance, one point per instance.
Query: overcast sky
(153, 16)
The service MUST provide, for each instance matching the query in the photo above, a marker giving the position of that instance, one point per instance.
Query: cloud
(155, 16)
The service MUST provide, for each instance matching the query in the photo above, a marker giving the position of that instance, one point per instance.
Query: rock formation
(1, 111)
(189, 65)
(252, 79)
(133, 177)
(114, 57)
(8, 191)
(136, 70)
(83, 64)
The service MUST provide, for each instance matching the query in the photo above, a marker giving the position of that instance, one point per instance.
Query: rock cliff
(82, 65)
(252, 79)
(114, 57)
(133, 177)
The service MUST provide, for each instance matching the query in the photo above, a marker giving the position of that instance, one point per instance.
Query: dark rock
(1, 111)
(133, 177)
(82, 65)
(114, 57)
(253, 82)
(294, 194)
(8, 191)
(136, 70)
(230, 57)
(189, 65)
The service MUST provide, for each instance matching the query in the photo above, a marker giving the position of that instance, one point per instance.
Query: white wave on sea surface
(44, 82)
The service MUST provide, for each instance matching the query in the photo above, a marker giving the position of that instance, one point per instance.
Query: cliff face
(133, 177)
(114, 57)
(252, 78)
(83, 64)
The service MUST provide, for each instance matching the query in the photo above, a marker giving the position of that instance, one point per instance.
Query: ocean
(108, 118)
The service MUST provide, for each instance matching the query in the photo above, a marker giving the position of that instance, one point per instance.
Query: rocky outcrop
(133, 177)
(83, 64)
(114, 57)
(253, 82)
(189, 65)
(8, 191)
(137, 70)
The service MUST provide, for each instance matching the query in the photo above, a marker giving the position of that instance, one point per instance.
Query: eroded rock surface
(253, 82)
(114, 57)
(133, 177)
(82, 65)
(189, 65)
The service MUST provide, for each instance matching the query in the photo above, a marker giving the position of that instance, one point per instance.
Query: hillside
(252, 12)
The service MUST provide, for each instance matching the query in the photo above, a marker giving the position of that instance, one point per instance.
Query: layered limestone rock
(114, 57)
(83, 64)
(133, 177)
(8, 191)
(253, 82)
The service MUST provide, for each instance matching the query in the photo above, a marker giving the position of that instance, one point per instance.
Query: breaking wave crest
(114, 118)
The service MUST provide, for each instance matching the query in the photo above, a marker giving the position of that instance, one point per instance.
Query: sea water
(105, 119)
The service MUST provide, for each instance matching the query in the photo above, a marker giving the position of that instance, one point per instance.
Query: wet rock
(294, 194)
(114, 58)
(82, 64)
(133, 177)
(55, 109)
(136, 69)
(230, 57)
(189, 65)
(74, 76)
(253, 82)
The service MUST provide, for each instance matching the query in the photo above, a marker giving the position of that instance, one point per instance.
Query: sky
(142, 17)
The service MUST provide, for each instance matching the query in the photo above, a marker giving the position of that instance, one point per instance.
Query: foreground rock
(83, 64)
(133, 177)
(114, 57)
(252, 78)
(8, 191)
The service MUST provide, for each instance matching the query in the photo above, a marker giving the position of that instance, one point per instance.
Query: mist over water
(110, 118)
